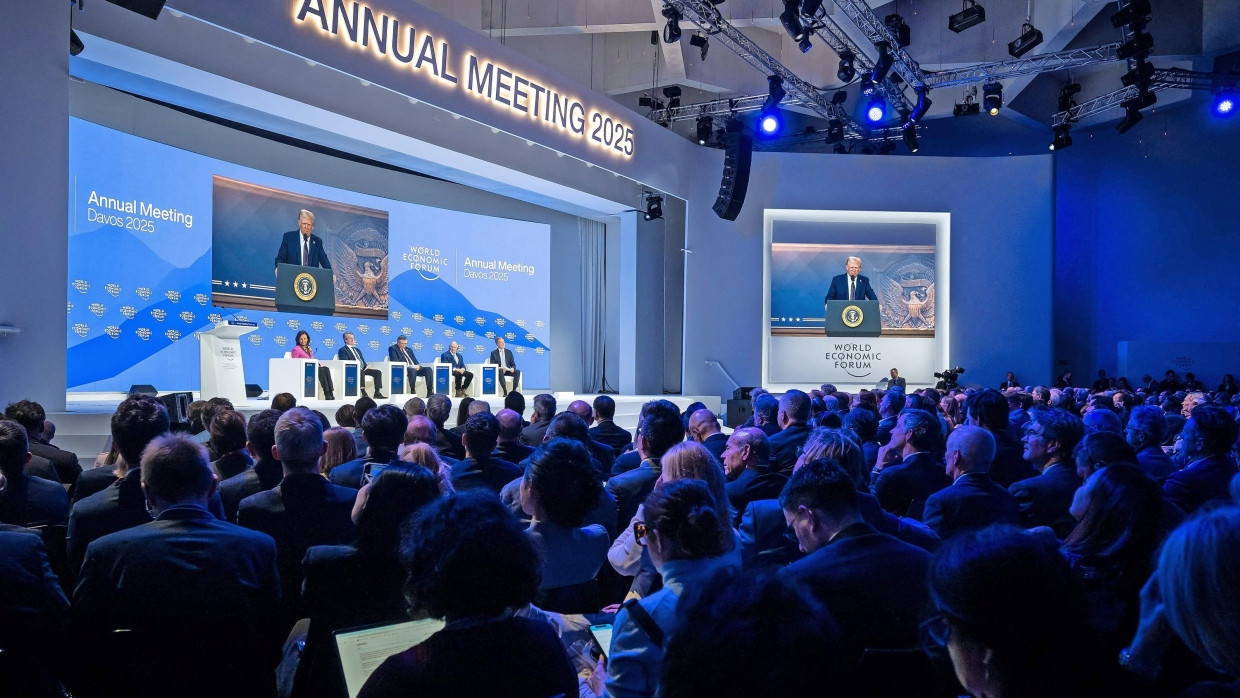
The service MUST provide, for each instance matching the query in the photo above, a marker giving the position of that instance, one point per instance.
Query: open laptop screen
(362, 650)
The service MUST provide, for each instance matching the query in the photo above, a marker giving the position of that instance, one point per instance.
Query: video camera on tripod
(948, 378)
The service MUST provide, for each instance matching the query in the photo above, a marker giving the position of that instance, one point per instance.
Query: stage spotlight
(672, 92)
(654, 207)
(1063, 138)
(835, 131)
(1225, 104)
(1029, 38)
(992, 97)
(839, 98)
(75, 43)
(809, 8)
(1143, 99)
(775, 93)
(1136, 13)
(671, 30)
(1139, 46)
(791, 19)
(966, 108)
(899, 29)
(839, 149)
(705, 126)
(769, 123)
(700, 41)
(923, 105)
(876, 110)
(1132, 116)
(1065, 96)
(972, 14)
(846, 71)
(883, 64)
(1142, 73)
(910, 138)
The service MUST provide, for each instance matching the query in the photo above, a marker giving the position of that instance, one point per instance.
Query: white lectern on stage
(219, 360)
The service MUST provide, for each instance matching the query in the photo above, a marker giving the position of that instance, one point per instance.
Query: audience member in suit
(1207, 439)
(872, 583)
(909, 468)
(33, 614)
(1009, 382)
(509, 446)
(349, 586)
(990, 410)
(267, 471)
(606, 431)
(659, 430)
(1100, 449)
(863, 423)
(704, 429)
(25, 500)
(464, 408)
(360, 407)
(31, 417)
(1050, 437)
(304, 509)
(384, 427)
(1005, 610)
(515, 401)
(544, 410)
(1103, 419)
(598, 451)
(851, 285)
(747, 465)
(350, 352)
(896, 380)
(438, 408)
(766, 414)
(137, 421)
(889, 409)
(480, 469)
(400, 352)
(1018, 413)
(42, 468)
(629, 460)
(213, 407)
(689, 542)
(502, 357)
(794, 412)
(421, 430)
(228, 439)
(558, 490)
(461, 376)
(192, 590)
(1146, 425)
(973, 500)
(470, 562)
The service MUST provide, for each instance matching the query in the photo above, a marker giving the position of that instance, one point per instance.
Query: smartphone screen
(602, 635)
(372, 471)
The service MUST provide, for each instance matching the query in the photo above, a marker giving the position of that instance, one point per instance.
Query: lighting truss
(1002, 70)
(704, 14)
(834, 36)
(877, 32)
(880, 135)
(1163, 79)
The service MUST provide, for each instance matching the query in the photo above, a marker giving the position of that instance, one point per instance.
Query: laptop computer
(362, 650)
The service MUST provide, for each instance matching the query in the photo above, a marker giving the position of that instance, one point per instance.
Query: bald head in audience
(582, 409)
(970, 449)
(702, 425)
(509, 425)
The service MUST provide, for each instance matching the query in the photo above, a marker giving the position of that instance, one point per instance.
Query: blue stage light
(875, 111)
(769, 123)
(1225, 105)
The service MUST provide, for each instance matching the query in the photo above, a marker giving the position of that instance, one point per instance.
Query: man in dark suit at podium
(462, 377)
(851, 286)
(350, 352)
(302, 246)
(507, 365)
(400, 353)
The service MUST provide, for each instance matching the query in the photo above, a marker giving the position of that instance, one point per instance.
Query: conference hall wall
(199, 243)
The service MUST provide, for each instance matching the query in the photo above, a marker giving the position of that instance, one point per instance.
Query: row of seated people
(861, 544)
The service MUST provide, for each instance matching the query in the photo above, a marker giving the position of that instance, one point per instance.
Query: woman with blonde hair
(341, 448)
(425, 456)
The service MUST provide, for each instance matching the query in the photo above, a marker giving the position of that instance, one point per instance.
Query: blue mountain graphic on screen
(438, 297)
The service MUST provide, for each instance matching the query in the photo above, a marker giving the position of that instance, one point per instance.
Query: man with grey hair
(350, 352)
(909, 468)
(304, 509)
(544, 410)
(438, 408)
(1146, 426)
(974, 500)
(462, 376)
(747, 464)
(302, 247)
(187, 587)
(509, 446)
(766, 414)
(851, 285)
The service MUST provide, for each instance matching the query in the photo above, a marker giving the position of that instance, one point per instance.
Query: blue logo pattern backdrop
(140, 273)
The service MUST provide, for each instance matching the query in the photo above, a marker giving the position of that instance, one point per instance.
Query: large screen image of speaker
(150, 252)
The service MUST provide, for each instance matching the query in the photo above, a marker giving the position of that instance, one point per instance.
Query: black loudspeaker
(146, 8)
(253, 390)
(178, 406)
(739, 411)
(142, 389)
(743, 393)
(738, 147)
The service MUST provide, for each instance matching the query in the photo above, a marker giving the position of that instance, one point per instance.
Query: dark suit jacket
(346, 354)
(265, 475)
(350, 474)
(1044, 500)
(232, 464)
(715, 443)
(973, 501)
(395, 354)
(839, 288)
(603, 513)
(750, 485)
(33, 501)
(33, 611)
(65, 462)
(897, 382)
(629, 460)
(903, 489)
(606, 432)
(152, 578)
(449, 444)
(532, 435)
(855, 577)
(1010, 465)
(631, 488)
(290, 250)
(302, 511)
(512, 451)
(38, 466)
(1155, 463)
(604, 455)
(885, 425)
(92, 480)
(494, 358)
(454, 359)
(490, 473)
(1201, 481)
(784, 447)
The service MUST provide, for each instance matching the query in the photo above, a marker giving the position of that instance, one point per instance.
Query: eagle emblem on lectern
(362, 280)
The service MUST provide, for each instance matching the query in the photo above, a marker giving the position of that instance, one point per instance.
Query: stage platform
(85, 427)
